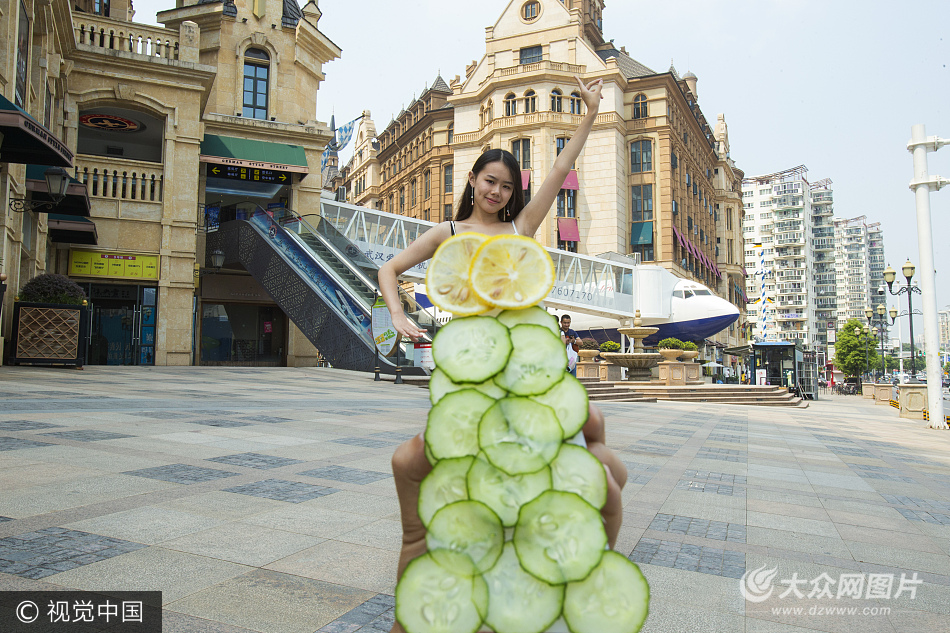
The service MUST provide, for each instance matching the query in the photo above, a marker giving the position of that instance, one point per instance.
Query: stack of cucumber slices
(515, 538)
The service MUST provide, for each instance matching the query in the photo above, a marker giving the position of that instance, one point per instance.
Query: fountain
(637, 362)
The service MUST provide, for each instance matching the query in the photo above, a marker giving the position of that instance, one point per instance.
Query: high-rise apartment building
(859, 267)
(780, 255)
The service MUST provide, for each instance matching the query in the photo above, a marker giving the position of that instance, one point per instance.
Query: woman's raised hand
(591, 93)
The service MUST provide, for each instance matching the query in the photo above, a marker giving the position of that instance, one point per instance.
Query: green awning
(76, 202)
(641, 233)
(243, 152)
(25, 140)
(68, 229)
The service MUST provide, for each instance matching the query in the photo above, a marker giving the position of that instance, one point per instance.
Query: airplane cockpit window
(688, 293)
(701, 292)
(678, 294)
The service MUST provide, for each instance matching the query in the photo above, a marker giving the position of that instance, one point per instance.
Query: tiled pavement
(262, 500)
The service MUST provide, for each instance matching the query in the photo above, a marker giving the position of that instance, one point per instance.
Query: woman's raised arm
(535, 211)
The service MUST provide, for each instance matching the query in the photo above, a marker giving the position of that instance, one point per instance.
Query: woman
(493, 204)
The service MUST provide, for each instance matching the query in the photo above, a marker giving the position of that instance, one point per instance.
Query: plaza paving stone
(204, 483)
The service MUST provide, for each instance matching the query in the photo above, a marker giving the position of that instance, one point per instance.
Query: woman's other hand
(407, 328)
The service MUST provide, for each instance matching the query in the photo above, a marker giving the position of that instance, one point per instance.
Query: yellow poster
(113, 265)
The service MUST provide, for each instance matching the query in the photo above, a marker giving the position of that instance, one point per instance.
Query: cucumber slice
(472, 349)
(517, 601)
(504, 493)
(576, 470)
(569, 400)
(440, 385)
(559, 537)
(534, 315)
(429, 456)
(518, 435)
(538, 361)
(433, 599)
(444, 485)
(465, 536)
(614, 598)
(452, 429)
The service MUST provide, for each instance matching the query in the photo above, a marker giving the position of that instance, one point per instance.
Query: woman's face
(492, 186)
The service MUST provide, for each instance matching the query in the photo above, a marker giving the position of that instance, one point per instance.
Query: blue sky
(835, 85)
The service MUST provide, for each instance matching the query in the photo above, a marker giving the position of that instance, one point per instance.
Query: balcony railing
(542, 65)
(131, 37)
(117, 179)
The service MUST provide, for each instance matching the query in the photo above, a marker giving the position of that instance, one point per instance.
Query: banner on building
(112, 265)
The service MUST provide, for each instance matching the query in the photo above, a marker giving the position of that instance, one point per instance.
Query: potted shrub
(670, 348)
(690, 350)
(589, 349)
(610, 346)
(610, 371)
(49, 317)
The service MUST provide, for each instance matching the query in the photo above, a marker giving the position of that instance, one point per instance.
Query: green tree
(855, 353)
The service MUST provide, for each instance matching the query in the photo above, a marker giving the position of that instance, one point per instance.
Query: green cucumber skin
(445, 472)
(519, 435)
(570, 402)
(538, 532)
(484, 353)
(460, 413)
(527, 486)
(466, 530)
(538, 361)
(438, 594)
(534, 315)
(619, 585)
(592, 483)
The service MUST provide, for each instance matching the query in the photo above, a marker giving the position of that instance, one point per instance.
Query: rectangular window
(448, 212)
(559, 144)
(48, 114)
(22, 56)
(426, 186)
(447, 182)
(567, 203)
(412, 193)
(641, 156)
(641, 206)
(674, 162)
(402, 200)
(521, 149)
(255, 91)
(530, 55)
(645, 250)
(570, 247)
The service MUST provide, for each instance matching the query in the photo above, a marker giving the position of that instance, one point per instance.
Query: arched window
(511, 105)
(530, 102)
(451, 133)
(640, 106)
(256, 72)
(576, 103)
(556, 101)
(489, 110)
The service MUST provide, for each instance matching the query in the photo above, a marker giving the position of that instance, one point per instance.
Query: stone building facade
(655, 180)
(173, 128)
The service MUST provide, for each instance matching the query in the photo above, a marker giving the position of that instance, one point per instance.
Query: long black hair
(515, 203)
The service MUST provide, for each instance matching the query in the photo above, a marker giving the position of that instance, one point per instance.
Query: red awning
(525, 178)
(567, 230)
(571, 181)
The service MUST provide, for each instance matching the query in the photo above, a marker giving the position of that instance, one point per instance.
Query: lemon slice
(512, 272)
(447, 281)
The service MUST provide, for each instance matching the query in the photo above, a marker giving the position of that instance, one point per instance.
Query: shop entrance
(122, 327)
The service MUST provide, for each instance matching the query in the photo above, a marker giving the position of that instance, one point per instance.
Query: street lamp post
(889, 276)
(857, 334)
(883, 331)
(922, 184)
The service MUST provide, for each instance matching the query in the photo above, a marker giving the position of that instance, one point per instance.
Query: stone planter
(913, 401)
(48, 334)
(882, 393)
(588, 369)
(688, 356)
(672, 373)
(670, 355)
(867, 390)
(588, 354)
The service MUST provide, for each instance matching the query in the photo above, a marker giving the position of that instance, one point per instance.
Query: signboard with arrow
(252, 174)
